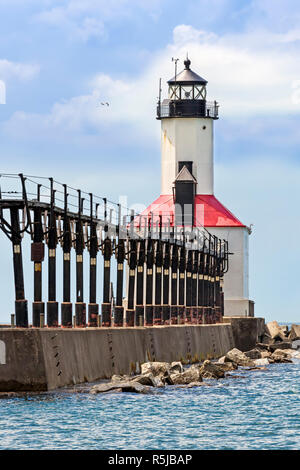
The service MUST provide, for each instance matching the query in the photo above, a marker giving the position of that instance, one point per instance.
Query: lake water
(259, 411)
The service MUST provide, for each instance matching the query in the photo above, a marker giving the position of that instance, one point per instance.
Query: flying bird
(102, 104)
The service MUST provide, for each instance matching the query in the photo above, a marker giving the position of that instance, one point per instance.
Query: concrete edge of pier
(40, 359)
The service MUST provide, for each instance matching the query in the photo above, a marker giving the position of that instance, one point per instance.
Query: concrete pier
(48, 358)
(246, 331)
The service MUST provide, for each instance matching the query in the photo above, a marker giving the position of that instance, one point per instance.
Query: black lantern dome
(187, 97)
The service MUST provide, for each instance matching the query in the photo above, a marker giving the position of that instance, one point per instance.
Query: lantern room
(187, 97)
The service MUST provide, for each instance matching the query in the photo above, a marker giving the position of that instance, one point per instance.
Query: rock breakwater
(161, 374)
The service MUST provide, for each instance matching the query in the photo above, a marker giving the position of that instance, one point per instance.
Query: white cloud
(247, 80)
(130, 104)
(248, 72)
(17, 70)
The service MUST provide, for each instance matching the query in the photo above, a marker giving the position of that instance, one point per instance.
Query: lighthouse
(187, 179)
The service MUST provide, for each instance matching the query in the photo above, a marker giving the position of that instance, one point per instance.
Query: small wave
(254, 411)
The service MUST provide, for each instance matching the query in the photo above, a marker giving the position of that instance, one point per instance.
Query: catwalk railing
(187, 108)
(171, 275)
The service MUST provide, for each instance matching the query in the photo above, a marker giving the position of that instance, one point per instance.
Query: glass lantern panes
(187, 93)
(200, 92)
(174, 92)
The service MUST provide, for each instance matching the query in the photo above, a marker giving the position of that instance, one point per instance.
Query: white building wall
(236, 280)
(187, 139)
(246, 263)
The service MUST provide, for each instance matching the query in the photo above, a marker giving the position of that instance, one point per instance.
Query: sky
(59, 59)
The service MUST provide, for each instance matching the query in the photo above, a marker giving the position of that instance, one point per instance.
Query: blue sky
(60, 58)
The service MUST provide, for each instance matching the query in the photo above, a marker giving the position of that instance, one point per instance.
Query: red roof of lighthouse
(207, 209)
(215, 214)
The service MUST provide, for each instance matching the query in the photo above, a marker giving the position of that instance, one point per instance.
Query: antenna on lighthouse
(159, 91)
(175, 60)
(159, 99)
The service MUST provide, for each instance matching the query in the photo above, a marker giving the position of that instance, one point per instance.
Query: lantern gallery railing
(173, 274)
(187, 108)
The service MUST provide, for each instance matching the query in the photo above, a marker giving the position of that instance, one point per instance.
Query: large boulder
(262, 362)
(155, 368)
(274, 331)
(294, 353)
(266, 340)
(262, 346)
(145, 379)
(166, 378)
(281, 356)
(296, 344)
(265, 354)
(108, 387)
(227, 366)
(132, 386)
(121, 378)
(190, 375)
(253, 353)
(285, 330)
(176, 367)
(148, 379)
(239, 358)
(162, 371)
(295, 333)
(280, 345)
(211, 370)
(282, 352)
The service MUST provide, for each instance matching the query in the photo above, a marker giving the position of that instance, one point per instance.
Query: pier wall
(49, 358)
(246, 331)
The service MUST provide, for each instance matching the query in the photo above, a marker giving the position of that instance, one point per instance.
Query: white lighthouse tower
(187, 131)
(187, 155)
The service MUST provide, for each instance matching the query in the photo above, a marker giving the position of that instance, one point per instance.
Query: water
(259, 411)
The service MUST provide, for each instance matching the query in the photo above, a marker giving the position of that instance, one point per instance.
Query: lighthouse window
(174, 92)
(187, 93)
(200, 92)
